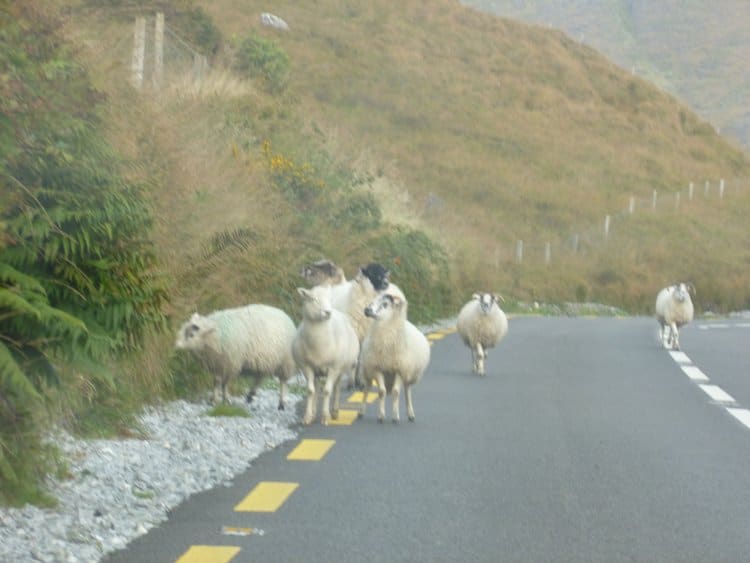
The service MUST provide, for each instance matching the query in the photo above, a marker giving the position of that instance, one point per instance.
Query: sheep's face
(487, 300)
(193, 335)
(681, 292)
(377, 274)
(384, 306)
(322, 272)
(316, 303)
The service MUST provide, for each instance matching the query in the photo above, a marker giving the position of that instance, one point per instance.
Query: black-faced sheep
(325, 347)
(394, 354)
(674, 309)
(482, 324)
(254, 340)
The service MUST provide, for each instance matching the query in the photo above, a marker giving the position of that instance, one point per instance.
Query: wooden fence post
(547, 253)
(519, 251)
(690, 191)
(631, 205)
(606, 227)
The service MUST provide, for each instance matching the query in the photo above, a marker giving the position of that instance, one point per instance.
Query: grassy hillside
(696, 50)
(478, 130)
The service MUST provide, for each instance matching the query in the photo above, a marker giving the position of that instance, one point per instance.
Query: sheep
(252, 340)
(351, 297)
(325, 346)
(674, 309)
(482, 324)
(395, 353)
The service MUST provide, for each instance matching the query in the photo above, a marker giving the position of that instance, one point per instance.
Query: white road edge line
(680, 357)
(743, 415)
(717, 393)
(694, 373)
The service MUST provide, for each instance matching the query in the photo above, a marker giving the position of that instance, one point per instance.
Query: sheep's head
(322, 272)
(195, 333)
(377, 274)
(385, 305)
(316, 303)
(681, 292)
(487, 300)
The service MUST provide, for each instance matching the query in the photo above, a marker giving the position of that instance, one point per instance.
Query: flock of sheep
(350, 329)
(357, 330)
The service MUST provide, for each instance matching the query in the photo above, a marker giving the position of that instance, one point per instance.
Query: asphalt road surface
(586, 441)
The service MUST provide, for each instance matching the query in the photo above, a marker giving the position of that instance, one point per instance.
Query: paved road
(585, 442)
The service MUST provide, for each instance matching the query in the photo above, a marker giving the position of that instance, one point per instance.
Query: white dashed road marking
(694, 373)
(717, 393)
(743, 415)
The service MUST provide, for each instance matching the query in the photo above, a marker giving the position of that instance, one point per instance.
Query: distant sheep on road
(482, 324)
(674, 309)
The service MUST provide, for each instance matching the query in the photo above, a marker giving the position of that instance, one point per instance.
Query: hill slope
(696, 50)
(483, 131)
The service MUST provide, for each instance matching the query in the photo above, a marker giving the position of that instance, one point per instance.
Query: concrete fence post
(690, 191)
(631, 205)
(721, 189)
(158, 50)
(519, 251)
(139, 52)
(606, 227)
(653, 200)
(547, 253)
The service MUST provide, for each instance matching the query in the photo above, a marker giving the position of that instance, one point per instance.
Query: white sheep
(254, 340)
(326, 347)
(395, 353)
(351, 296)
(482, 324)
(674, 309)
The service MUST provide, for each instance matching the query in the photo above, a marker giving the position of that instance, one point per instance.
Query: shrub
(263, 59)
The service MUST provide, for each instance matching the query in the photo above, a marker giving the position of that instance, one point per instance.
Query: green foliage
(228, 410)
(263, 59)
(420, 267)
(76, 281)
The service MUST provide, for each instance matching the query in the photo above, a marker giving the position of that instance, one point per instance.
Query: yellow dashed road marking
(346, 418)
(209, 554)
(267, 496)
(311, 450)
(358, 397)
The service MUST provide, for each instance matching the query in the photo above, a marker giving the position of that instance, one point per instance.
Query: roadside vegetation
(124, 212)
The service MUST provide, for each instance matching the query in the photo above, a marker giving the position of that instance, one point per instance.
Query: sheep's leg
(666, 335)
(282, 393)
(363, 406)
(381, 395)
(479, 359)
(311, 398)
(325, 416)
(675, 337)
(409, 406)
(217, 389)
(336, 397)
(395, 395)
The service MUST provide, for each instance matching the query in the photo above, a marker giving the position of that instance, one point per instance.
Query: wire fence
(708, 192)
(159, 55)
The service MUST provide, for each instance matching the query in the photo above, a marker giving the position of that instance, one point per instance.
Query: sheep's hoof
(250, 396)
(360, 415)
(335, 415)
(395, 421)
(412, 418)
(381, 420)
(282, 407)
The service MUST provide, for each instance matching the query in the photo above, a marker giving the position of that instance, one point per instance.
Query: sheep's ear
(396, 300)
(476, 297)
(498, 297)
(691, 287)
(303, 292)
(195, 317)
